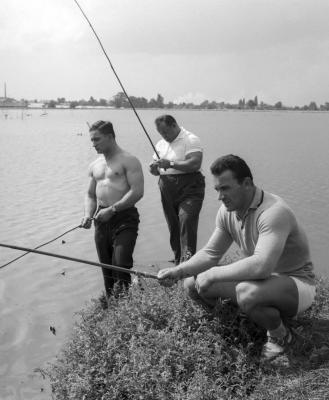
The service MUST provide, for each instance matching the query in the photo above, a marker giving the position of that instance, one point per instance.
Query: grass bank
(157, 344)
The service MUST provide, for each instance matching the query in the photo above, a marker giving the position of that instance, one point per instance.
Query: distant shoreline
(170, 109)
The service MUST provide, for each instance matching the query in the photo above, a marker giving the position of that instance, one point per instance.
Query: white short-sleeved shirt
(177, 150)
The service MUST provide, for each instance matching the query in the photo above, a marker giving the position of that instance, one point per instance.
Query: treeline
(120, 101)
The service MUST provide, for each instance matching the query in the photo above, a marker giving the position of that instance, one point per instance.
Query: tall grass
(155, 343)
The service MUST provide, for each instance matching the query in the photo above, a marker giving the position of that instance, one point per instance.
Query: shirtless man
(116, 184)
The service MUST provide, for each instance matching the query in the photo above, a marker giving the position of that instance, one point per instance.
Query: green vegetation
(154, 343)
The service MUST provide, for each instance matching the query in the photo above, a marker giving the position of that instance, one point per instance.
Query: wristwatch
(172, 164)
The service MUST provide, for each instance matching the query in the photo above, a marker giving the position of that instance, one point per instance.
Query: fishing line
(41, 245)
(79, 260)
(116, 75)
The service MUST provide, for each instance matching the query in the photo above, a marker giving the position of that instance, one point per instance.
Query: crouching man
(275, 278)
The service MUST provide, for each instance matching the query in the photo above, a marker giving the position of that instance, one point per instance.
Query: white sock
(280, 331)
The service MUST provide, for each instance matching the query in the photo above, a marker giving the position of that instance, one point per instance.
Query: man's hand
(104, 214)
(86, 222)
(205, 279)
(153, 167)
(163, 163)
(168, 276)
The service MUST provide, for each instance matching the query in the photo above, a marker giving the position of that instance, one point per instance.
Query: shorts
(306, 294)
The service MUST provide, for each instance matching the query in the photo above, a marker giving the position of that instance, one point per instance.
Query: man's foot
(275, 346)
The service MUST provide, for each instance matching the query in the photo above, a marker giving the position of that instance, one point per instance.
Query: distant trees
(52, 104)
(324, 107)
(73, 104)
(120, 100)
(313, 106)
(242, 103)
(251, 104)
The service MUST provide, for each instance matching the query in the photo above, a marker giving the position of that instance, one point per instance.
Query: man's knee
(247, 296)
(189, 211)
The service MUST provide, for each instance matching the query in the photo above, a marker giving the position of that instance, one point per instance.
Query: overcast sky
(186, 50)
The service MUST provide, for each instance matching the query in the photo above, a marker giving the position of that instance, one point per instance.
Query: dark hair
(104, 127)
(233, 163)
(166, 119)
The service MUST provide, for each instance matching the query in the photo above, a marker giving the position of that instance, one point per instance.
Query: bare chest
(109, 172)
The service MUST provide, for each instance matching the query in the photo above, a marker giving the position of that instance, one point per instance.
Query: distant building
(36, 105)
(7, 102)
(63, 105)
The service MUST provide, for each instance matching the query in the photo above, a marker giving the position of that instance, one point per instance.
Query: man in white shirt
(181, 184)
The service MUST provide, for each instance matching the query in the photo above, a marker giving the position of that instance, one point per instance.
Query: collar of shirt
(180, 135)
(255, 203)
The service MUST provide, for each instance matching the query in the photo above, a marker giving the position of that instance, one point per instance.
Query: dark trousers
(115, 242)
(182, 197)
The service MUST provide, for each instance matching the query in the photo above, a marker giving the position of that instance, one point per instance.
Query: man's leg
(265, 301)
(188, 213)
(192, 190)
(268, 300)
(172, 219)
(123, 248)
(224, 290)
(104, 250)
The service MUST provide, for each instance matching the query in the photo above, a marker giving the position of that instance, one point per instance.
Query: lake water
(43, 178)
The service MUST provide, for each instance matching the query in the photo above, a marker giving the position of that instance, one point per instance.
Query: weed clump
(155, 343)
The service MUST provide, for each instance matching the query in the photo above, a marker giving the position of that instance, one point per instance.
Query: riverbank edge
(83, 369)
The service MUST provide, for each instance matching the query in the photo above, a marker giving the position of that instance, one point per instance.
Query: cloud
(213, 27)
(185, 49)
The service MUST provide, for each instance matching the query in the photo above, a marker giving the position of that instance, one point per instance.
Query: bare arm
(191, 163)
(90, 202)
(204, 259)
(274, 230)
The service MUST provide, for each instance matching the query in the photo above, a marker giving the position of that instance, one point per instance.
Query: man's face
(168, 132)
(233, 194)
(102, 143)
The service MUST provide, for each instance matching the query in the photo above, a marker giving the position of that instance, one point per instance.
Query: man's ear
(247, 182)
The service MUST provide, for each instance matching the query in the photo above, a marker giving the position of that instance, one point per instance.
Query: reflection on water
(43, 177)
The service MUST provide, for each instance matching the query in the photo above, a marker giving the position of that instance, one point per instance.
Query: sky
(186, 50)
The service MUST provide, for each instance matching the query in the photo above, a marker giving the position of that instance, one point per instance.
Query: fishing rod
(116, 75)
(79, 260)
(41, 245)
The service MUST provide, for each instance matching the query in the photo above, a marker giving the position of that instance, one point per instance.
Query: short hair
(233, 163)
(166, 119)
(104, 127)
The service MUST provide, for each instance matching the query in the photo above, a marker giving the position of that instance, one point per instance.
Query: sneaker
(275, 346)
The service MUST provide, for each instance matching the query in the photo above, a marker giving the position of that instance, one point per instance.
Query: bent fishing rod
(116, 75)
(79, 260)
(38, 247)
